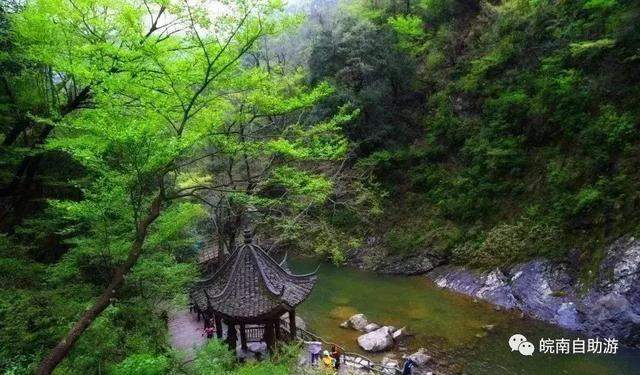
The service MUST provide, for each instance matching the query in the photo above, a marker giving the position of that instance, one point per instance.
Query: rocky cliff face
(540, 288)
(612, 306)
(374, 257)
(546, 290)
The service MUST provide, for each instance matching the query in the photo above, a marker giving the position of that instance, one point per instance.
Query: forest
(136, 132)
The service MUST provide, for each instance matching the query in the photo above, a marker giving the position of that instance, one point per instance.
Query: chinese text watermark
(596, 345)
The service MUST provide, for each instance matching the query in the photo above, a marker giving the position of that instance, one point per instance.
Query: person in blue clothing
(407, 369)
(315, 347)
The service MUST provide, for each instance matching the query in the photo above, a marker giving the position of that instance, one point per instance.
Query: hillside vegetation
(135, 132)
(527, 141)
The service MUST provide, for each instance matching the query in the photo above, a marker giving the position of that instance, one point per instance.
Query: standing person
(329, 362)
(209, 331)
(209, 328)
(315, 347)
(407, 369)
(335, 354)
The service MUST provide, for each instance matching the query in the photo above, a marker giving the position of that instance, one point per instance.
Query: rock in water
(488, 327)
(399, 333)
(376, 341)
(358, 322)
(420, 357)
(390, 365)
(371, 327)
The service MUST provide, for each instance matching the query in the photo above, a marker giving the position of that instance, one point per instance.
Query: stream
(447, 324)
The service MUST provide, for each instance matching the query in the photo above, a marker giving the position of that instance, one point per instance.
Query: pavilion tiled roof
(251, 284)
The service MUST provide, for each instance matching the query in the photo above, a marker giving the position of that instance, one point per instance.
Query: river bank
(450, 326)
(542, 289)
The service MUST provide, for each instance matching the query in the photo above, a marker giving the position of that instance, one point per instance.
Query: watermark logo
(596, 345)
(519, 343)
(579, 346)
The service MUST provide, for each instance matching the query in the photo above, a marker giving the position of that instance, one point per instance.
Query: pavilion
(250, 293)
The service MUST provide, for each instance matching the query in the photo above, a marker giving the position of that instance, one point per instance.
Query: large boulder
(390, 365)
(300, 323)
(376, 341)
(420, 357)
(358, 322)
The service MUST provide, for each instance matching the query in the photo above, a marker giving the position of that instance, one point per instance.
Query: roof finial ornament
(248, 238)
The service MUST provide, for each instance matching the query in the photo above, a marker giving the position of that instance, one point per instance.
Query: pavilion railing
(353, 360)
(255, 333)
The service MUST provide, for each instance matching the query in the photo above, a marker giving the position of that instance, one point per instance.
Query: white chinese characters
(578, 346)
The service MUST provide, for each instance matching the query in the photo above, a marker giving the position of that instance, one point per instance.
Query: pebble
(488, 327)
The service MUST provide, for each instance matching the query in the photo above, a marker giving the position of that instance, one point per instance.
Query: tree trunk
(64, 346)
(17, 190)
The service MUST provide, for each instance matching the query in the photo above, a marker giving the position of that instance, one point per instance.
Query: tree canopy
(136, 132)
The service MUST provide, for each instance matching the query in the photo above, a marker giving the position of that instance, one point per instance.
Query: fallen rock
(376, 341)
(358, 322)
(420, 357)
(390, 365)
(371, 327)
(399, 333)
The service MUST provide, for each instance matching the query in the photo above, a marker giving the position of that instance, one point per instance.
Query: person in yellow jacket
(328, 361)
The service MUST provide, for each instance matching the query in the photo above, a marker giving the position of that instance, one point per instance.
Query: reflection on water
(449, 325)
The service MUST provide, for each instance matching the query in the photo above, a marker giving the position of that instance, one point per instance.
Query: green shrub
(142, 364)
(506, 244)
(405, 240)
(213, 358)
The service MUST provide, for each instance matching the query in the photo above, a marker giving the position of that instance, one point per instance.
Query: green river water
(447, 324)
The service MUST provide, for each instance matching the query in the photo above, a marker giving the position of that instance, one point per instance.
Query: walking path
(186, 333)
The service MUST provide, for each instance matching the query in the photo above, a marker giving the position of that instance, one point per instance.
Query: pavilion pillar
(232, 337)
(243, 337)
(269, 336)
(276, 328)
(218, 326)
(293, 330)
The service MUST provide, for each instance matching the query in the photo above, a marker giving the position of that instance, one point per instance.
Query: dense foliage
(531, 128)
(134, 131)
(128, 125)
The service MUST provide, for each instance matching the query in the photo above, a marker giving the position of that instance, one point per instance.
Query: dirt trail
(186, 333)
